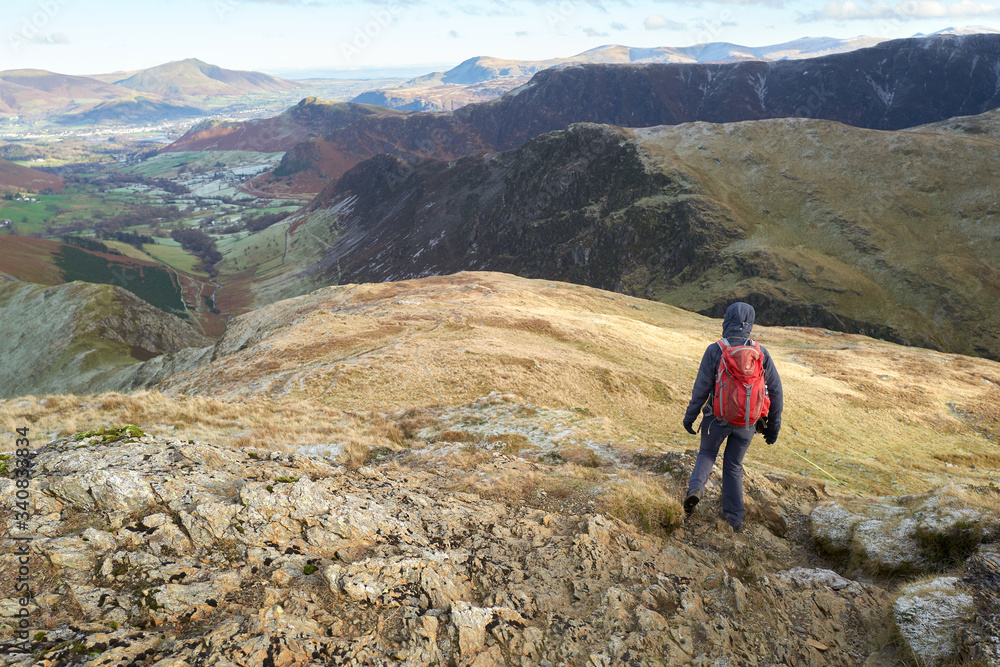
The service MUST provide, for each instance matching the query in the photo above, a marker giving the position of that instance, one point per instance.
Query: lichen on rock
(927, 615)
(174, 552)
(906, 534)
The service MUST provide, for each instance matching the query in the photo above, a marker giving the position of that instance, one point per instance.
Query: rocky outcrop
(982, 581)
(905, 534)
(928, 615)
(174, 552)
(75, 337)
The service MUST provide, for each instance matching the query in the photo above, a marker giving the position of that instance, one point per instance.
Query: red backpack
(740, 397)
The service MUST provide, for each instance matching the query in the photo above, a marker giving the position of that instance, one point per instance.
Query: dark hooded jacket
(736, 327)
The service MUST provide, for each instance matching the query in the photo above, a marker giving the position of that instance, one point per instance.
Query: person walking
(715, 427)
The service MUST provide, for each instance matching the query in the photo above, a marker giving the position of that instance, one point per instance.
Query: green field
(168, 164)
(154, 285)
(170, 253)
(33, 217)
(128, 250)
(265, 248)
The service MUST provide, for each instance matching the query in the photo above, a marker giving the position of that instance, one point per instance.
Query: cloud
(453, 34)
(849, 10)
(591, 32)
(522, 33)
(489, 10)
(769, 3)
(54, 38)
(929, 9)
(618, 26)
(657, 22)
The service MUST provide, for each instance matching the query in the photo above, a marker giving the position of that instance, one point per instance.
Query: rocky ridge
(170, 552)
(432, 518)
(882, 233)
(893, 85)
(77, 336)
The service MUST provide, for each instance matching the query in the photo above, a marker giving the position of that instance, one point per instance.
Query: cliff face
(893, 85)
(896, 84)
(820, 224)
(75, 337)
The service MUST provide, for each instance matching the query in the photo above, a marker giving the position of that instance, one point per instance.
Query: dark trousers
(713, 432)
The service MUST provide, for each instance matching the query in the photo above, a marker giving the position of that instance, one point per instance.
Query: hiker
(736, 327)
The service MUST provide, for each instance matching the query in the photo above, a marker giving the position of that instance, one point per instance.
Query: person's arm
(703, 385)
(773, 381)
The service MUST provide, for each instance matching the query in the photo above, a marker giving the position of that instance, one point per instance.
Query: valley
(330, 372)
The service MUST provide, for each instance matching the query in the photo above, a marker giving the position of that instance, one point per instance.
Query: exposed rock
(173, 553)
(928, 616)
(902, 534)
(981, 641)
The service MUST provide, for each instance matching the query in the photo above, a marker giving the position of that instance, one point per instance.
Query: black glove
(771, 432)
(689, 427)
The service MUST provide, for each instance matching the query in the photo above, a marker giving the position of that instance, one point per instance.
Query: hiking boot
(691, 502)
(738, 528)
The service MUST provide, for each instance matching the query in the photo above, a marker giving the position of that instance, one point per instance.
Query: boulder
(905, 534)
(929, 615)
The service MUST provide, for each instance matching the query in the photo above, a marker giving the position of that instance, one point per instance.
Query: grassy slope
(899, 228)
(166, 165)
(73, 337)
(173, 255)
(46, 262)
(875, 416)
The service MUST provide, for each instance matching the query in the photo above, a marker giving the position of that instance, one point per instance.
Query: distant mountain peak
(968, 30)
(192, 76)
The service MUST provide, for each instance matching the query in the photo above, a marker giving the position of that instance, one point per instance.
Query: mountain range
(896, 84)
(193, 77)
(483, 77)
(171, 91)
(812, 220)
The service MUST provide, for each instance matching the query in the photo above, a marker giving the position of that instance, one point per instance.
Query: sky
(311, 37)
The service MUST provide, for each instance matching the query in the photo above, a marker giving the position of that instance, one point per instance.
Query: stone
(929, 616)
(392, 565)
(906, 534)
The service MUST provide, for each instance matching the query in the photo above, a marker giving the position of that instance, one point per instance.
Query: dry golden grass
(373, 366)
(814, 218)
(581, 456)
(277, 425)
(642, 501)
(514, 490)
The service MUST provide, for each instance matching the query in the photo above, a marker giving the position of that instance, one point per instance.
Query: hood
(738, 321)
